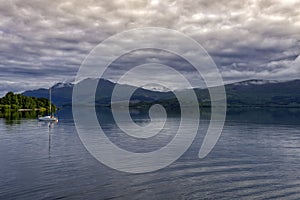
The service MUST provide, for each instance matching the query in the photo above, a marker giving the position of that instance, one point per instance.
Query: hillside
(15, 102)
(255, 93)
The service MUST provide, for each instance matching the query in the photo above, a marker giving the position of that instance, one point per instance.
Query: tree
(17, 101)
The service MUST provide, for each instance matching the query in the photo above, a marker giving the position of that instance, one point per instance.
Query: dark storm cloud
(43, 42)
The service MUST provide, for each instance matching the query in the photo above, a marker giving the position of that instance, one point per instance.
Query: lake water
(257, 157)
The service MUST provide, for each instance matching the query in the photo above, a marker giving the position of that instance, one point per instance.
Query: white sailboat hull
(48, 119)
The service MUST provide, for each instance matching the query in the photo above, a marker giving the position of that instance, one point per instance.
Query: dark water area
(256, 157)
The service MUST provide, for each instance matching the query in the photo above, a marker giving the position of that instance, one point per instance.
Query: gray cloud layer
(43, 42)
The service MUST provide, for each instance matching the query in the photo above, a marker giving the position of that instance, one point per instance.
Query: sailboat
(49, 118)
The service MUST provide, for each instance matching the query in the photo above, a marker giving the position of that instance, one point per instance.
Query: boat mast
(50, 100)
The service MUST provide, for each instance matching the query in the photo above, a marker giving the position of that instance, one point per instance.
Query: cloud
(277, 70)
(42, 42)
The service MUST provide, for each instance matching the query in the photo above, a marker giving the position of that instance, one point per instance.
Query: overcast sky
(44, 41)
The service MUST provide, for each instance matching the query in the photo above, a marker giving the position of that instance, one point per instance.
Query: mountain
(245, 93)
(63, 85)
(62, 92)
(264, 93)
(258, 93)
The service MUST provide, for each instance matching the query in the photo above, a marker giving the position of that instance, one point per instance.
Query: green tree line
(14, 102)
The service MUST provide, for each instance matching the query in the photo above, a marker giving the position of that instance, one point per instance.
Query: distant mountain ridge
(264, 93)
(245, 93)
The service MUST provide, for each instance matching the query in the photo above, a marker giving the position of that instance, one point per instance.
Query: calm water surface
(257, 157)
